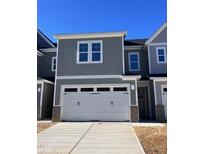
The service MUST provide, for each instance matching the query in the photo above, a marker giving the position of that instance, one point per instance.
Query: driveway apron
(89, 138)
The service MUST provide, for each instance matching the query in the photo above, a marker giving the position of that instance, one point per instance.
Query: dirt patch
(153, 139)
(42, 126)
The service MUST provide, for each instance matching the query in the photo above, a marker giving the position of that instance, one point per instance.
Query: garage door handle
(78, 103)
(111, 103)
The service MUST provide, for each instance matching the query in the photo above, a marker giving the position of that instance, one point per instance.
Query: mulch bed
(153, 139)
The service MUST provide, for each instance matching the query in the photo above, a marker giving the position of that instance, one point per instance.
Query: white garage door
(164, 98)
(103, 103)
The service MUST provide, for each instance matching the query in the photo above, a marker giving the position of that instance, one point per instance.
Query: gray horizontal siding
(112, 58)
(44, 65)
(162, 37)
(92, 81)
(156, 68)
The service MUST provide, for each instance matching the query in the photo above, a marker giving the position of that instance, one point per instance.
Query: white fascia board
(156, 33)
(48, 41)
(39, 53)
(88, 76)
(135, 47)
(49, 50)
(90, 35)
(158, 44)
(43, 80)
(133, 77)
(159, 78)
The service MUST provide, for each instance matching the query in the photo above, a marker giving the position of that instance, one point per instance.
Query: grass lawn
(44, 125)
(153, 139)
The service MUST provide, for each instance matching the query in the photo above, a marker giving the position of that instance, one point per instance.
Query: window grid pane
(96, 47)
(83, 47)
(96, 56)
(160, 51)
(161, 58)
(83, 57)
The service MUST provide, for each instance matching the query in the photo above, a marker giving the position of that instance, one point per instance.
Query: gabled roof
(134, 42)
(156, 33)
(90, 35)
(43, 41)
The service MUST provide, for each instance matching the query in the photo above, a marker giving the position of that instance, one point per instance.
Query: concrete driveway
(89, 138)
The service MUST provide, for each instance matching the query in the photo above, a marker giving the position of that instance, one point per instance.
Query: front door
(143, 103)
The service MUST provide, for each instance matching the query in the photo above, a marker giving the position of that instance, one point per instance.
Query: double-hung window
(53, 66)
(89, 52)
(161, 55)
(83, 52)
(134, 61)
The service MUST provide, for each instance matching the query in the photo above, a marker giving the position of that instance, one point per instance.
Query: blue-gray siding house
(46, 55)
(102, 77)
(157, 56)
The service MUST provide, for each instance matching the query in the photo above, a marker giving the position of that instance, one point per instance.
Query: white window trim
(134, 53)
(53, 58)
(165, 55)
(90, 52)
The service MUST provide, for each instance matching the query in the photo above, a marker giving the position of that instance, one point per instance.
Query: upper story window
(161, 55)
(53, 66)
(89, 52)
(134, 61)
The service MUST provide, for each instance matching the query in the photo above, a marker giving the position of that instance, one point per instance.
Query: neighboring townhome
(157, 55)
(101, 77)
(46, 65)
(136, 63)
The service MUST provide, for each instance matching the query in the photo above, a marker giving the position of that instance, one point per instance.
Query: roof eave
(156, 33)
(90, 35)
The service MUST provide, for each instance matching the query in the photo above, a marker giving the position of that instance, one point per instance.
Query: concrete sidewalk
(89, 138)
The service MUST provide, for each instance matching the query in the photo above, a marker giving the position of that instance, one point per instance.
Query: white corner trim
(88, 76)
(90, 52)
(157, 55)
(41, 99)
(158, 78)
(149, 61)
(123, 56)
(49, 50)
(135, 47)
(90, 35)
(55, 84)
(156, 33)
(52, 64)
(155, 94)
(133, 53)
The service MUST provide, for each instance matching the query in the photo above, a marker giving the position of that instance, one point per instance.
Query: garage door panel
(69, 110)
(104, 106)
(108, 103)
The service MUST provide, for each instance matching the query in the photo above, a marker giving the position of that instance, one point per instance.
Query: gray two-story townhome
(157, 55)
(46, 65)
(101, 77)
